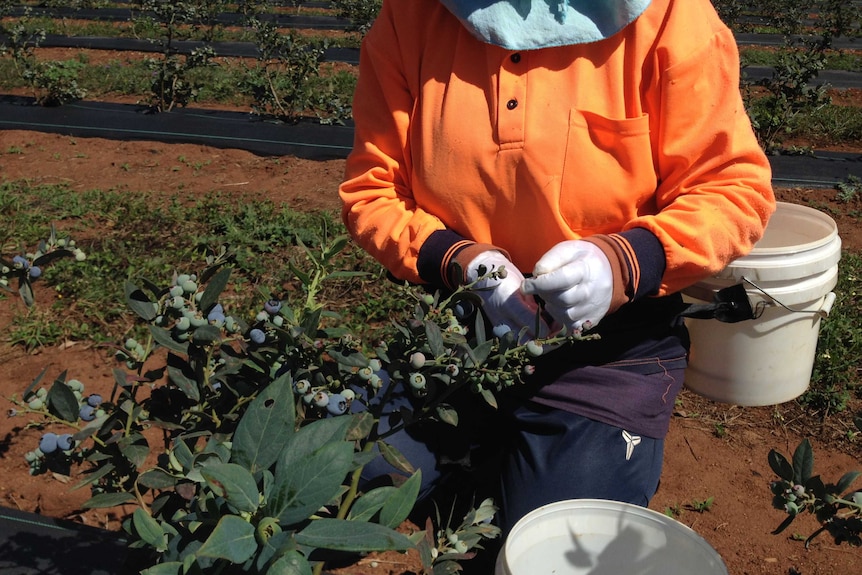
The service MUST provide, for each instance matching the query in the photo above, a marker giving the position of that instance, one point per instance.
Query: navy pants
(527, 457)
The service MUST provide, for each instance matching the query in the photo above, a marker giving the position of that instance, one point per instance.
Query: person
(600, 152)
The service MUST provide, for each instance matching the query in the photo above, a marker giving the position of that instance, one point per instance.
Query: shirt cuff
(441, 252)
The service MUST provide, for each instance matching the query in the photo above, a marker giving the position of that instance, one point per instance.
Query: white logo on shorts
(631, 442)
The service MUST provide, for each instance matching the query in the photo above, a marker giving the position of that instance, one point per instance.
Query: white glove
(504, 304)
(575, 280)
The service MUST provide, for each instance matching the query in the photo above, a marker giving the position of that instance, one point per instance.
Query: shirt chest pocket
(608, 175)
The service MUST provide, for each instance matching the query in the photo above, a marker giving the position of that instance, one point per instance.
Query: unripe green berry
(36, 404)
(176, 291)
(417, 381)
(534, 348)
(417, 359)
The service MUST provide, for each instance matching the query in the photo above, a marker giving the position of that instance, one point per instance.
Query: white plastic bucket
(590, 536)
(768, 360)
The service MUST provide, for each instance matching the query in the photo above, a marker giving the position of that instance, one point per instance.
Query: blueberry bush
(265, 423)
(25, 268)
(837, 507)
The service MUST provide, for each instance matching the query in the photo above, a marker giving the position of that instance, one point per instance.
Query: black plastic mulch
(220, 129)
(306, 139)
(32, 544)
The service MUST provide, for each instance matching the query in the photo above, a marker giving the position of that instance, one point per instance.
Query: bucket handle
(760, 306)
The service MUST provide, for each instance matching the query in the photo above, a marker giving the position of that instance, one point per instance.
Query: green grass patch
(149, 235)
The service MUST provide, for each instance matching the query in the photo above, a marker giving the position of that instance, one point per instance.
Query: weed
(701, 505)
(849, 189)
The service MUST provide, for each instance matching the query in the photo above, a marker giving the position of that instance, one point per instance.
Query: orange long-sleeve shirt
(457, 139)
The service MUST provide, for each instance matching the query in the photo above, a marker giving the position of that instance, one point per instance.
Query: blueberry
(321, 399)
(183, 324)
(176, 291)
(35, 272)
(87, 412)
(501, 330)
(257, 336)
(534, 348)
(302, 386)
(417, 381)
(216, 313)
(463, 309)
(417, 359)
(20, 262)
(65, 442)
(48, 443)
(272, 306)
(94, 400)
(365, 373)
(337, 404)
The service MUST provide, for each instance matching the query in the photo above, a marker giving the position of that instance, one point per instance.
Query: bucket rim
(641, 514)
(785, 208)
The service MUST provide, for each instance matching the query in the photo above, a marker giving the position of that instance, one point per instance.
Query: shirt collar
(533, 24)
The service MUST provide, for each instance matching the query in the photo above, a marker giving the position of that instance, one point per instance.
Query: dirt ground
(729, 466)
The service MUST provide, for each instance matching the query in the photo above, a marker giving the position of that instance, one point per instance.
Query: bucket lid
(582, 536)
(798, 241)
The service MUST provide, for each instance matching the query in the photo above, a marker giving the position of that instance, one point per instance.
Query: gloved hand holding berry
(503, 302)
(575, 279)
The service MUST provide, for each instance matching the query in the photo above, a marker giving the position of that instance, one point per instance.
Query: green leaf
(307, 484)
(269, 416)
(803, 462)
(355, 359)
(846, 481)
(206, 335)
(103, 500)
(95, 475)
(398, 507)
(780, 466)
(314, 436)
(365, 507)
(135, 448)
(156, 478)
(149, 530)
(360, 426)
(232, 539)
(394, 457)
(25, 290)
(479, 354)
(343, 535)
(291, 563)
(26, 395)
(435, 338)
(447, 415)
(235, 484)
(170, 568)
(164, 339)
(214, 288)
(181, 375)
(139, 303)
(62, 401)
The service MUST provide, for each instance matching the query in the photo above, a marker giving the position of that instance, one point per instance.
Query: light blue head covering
(531, 24)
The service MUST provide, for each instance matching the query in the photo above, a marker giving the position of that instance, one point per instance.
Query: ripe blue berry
(35, 272)
(272, 306)
(337, 404)
(20, 262)
(94, 400)
(501, 330)
(65, 442)
(87, 413)
(217, 311)
(257, 336)
(48, 443)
